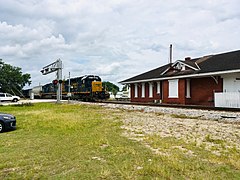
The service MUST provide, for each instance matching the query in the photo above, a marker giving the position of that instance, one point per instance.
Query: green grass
(62, 141)
(196, 162)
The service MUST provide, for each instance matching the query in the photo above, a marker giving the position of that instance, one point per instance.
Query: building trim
(184, 76)
(143, 90)
(150, 91)
(180, 62)
(135, 90)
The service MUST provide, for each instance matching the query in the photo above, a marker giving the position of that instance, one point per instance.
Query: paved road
(29, 101)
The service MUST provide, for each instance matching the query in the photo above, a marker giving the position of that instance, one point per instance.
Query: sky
(115, 39)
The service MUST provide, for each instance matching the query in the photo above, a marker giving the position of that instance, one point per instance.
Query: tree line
(12, 79)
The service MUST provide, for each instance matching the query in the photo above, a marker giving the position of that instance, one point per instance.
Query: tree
(125, 87)
(111, 87)
(12, 80)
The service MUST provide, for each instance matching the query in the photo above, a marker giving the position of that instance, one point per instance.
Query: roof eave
(183, 76)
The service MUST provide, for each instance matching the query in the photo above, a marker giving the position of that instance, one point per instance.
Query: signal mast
(55, 67)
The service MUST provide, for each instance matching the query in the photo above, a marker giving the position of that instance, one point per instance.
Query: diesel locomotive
(87, 88)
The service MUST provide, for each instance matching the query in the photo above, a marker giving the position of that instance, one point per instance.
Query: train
(87, 88)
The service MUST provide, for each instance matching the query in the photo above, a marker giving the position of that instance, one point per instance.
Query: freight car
(87, 88)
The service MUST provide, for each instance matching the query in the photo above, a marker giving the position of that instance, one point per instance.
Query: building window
(158, 88)
(150, 90)
(188, 94)
(173, 88)
(135, 90)
(143, 90)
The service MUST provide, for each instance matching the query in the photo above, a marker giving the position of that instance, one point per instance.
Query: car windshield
(9, 95)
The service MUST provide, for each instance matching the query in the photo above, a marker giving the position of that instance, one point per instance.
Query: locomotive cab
(96, 86)
(93, 86)
(92, 83)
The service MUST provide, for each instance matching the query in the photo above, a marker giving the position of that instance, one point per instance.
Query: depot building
(199, 81)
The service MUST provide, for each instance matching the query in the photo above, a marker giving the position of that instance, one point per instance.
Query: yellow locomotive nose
(96, 86)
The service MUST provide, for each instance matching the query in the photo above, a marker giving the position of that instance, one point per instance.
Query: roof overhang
(184, 76)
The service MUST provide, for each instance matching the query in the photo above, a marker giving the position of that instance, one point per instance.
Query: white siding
(173, 88)
(231, 82)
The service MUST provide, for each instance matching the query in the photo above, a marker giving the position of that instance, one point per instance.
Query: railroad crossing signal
(55, 81)
(55, 66)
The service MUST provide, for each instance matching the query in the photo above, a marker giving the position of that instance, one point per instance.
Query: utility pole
(69, 88)
(55, 66)
(69, 84)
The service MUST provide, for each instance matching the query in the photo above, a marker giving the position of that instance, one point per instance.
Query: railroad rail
(210, 108)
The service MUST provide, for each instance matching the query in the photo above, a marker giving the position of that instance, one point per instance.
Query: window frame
(173, 86)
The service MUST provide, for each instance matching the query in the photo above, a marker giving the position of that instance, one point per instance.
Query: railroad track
(173, 106)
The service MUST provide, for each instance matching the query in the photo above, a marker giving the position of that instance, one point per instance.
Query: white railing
(227, 99)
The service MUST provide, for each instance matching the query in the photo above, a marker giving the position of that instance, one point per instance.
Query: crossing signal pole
(55, 67)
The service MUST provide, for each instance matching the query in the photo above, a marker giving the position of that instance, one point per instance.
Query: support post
(59, 77)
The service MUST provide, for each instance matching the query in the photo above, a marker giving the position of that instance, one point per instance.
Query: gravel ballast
(205, 128)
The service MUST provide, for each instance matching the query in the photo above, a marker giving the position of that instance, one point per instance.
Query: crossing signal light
(55, 82)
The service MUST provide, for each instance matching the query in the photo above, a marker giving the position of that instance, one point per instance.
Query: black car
(7, 122)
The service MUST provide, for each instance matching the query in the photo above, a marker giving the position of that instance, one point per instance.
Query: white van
(8, 97)
(122, 96)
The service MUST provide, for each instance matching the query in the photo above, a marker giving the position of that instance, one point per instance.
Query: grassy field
(66, 141)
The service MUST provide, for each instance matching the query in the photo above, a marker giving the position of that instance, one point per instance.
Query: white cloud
(114, 39)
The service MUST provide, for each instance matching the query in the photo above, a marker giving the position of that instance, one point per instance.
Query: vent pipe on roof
(170, 55)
